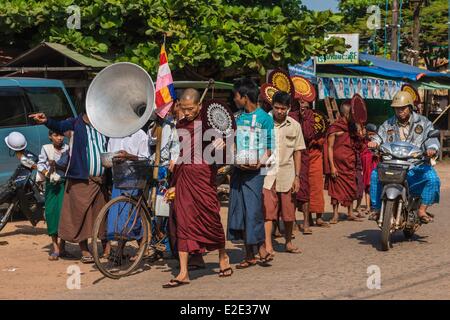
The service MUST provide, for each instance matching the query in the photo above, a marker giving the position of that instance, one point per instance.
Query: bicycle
(128, 223)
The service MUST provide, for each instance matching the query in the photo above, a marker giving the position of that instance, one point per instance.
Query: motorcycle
(21, 193)
(399, 209)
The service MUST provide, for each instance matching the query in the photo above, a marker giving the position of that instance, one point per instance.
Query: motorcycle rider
(413, 128)
(17, 143)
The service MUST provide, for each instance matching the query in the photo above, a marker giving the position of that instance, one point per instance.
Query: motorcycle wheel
(389, 209)
(4, 215)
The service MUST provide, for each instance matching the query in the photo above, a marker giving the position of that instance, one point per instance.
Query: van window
(51, 101)
(12, 107)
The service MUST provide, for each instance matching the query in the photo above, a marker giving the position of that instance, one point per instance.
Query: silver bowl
(106, 158)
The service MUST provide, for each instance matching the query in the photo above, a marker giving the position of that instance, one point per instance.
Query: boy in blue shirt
(254, 144)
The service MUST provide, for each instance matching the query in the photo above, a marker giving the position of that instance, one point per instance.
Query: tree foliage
(433, 29)
(209, 38)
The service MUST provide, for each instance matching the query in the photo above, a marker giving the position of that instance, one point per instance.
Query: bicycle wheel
(123, 227)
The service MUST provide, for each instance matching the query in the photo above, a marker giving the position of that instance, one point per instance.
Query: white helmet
(16, 141)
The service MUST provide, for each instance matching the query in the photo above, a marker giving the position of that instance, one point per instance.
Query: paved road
(333, 266)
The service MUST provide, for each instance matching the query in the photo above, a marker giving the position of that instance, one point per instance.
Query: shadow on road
(372, 237)
(26, 230)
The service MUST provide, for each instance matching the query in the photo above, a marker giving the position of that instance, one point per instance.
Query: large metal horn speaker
(120, 99)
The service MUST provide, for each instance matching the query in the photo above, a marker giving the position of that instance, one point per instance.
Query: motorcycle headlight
(401, 151)
(387, 157)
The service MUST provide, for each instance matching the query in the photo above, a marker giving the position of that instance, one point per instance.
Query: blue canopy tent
(377, 67)
(392, 69)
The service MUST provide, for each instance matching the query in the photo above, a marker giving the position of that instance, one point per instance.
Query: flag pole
(157, 134)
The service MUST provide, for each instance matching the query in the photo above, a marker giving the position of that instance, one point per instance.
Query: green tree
(433, 27)
(209, 38)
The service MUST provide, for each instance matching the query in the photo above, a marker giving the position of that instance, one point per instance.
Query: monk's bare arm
(297, 162)
(297, 166)
(331, 139)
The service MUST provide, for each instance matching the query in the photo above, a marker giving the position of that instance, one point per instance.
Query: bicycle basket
(131, 174)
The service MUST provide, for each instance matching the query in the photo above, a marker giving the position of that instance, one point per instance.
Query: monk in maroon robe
(340, 164)
(306, 119)
(196, 207)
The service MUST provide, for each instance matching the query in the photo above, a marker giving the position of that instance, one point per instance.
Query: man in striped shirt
(85, 193)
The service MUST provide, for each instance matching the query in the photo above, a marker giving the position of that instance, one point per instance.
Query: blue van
(20, 97)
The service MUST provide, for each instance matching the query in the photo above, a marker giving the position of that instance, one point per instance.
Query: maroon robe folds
(369, 163)
(343, 189)
(196, 208)
(307, 124)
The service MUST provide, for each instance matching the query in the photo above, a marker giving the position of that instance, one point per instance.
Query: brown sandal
(246, 264)
(322, 224)
(223, 273)
(174, 283)
(293, 250)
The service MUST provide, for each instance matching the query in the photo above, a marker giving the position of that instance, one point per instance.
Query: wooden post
(416, 31)
(394, 31)
(158, 134)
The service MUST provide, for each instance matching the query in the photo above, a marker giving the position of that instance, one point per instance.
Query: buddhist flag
(165, 92)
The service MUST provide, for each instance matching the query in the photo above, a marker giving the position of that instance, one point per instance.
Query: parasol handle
(442, 113)
(210, 85)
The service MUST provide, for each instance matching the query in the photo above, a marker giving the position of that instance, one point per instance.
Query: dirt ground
(334, 265)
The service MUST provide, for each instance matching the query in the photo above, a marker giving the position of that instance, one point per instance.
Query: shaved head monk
(196, 207)
(341, 164)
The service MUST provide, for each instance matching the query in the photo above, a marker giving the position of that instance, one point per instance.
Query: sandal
(353, 218)
(53, 256)
(87, 259)
(223, 273)
(322, 224)
(264, 262)
(374, 216)
(173, 283)
(246, 264)
(334, 221)
(293, 250)
(425, 219)
(307, 231)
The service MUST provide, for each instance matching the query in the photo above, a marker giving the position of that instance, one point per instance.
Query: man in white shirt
(131, 147)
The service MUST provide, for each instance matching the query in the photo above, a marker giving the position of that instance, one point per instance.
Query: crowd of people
(293, 167)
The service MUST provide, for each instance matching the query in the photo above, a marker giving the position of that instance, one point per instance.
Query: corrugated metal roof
(63, 50)
(78, 57)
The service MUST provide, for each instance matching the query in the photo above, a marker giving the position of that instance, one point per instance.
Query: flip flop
(223, 273)
(334, 221)
(425, 219)
(307, 231)
(246, 264)
(322, 224)
(264, 262)
(294, 251)
(174, 283)
(53, 256)
(87, 259)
